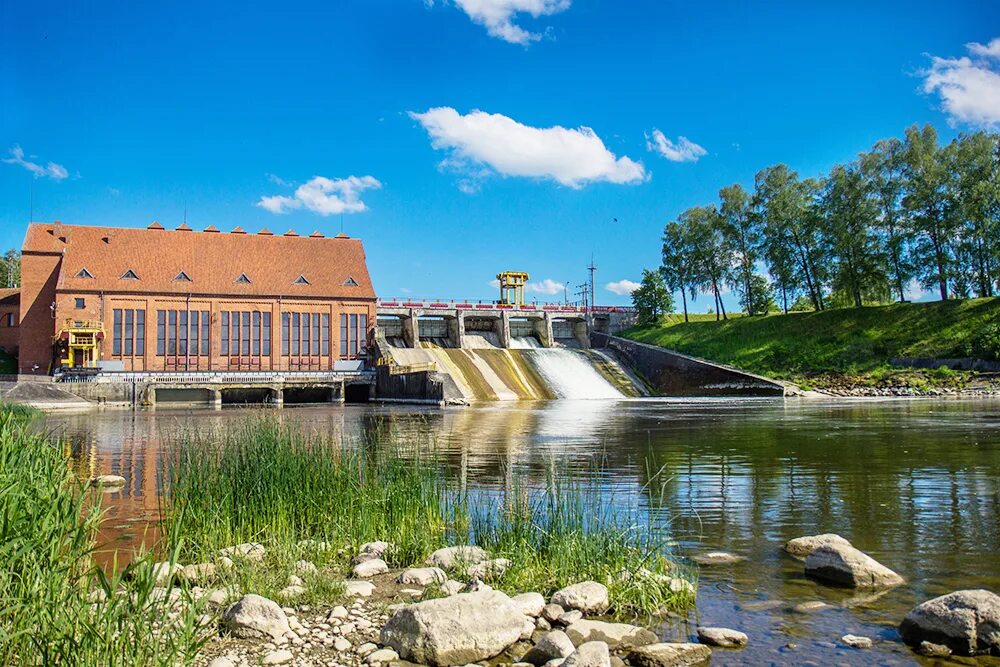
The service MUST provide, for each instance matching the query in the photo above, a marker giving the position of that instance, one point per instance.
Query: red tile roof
(214, 261)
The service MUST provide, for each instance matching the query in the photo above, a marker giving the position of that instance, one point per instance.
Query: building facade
(181, 300)
(10, 317)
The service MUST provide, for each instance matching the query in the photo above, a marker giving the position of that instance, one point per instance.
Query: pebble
(278, 657)
(381, 655)
(551, 612)
(855, 641)
(809, 607)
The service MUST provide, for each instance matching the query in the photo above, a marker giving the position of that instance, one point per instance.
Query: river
(914, 483)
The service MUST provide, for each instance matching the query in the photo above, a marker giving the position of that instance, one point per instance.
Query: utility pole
(583, 293)
(592, 268)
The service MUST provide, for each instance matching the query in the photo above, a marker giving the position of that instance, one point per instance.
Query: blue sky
(284, 115)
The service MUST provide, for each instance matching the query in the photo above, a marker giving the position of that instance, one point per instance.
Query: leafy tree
(710, 252)
(791, 227)
(741, 228)
(883, 167)
(678, 264)
(652, 298)
(10, 269)
(930, 207)
(974, 161)
(759, 299)
(851, 242)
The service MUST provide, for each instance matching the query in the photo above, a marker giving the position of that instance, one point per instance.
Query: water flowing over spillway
(527, 371)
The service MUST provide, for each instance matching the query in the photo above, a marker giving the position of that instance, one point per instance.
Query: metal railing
(219, 377)
(452, 304)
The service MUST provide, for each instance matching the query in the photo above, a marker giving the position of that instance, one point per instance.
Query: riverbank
(850, 351)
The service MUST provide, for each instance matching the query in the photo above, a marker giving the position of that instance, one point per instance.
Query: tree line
(908, 209)
(10, 269)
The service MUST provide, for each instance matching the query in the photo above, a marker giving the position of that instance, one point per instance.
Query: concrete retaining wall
(673, 374)
(417, 386)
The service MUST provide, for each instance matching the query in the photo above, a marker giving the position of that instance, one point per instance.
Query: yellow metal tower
(78, 344)
(512, 287)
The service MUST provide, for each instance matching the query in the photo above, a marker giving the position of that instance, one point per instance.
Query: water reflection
(914, 483)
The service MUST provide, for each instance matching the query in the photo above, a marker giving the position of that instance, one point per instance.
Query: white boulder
(255, 617)
(590, 597)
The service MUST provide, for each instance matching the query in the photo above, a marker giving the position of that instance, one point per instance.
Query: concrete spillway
(525, 372)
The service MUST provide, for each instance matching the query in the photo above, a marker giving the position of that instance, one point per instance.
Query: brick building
(181, 300)
(9, 319)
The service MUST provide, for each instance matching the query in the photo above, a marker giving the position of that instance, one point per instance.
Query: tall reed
(56, 606)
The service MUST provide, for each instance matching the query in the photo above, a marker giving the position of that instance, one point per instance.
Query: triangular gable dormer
(350, 282)
(84, 273)
(130, 275)
(243, 280)
(301, 280)
(182, 277)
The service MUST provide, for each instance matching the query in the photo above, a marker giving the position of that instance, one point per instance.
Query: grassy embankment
(841, 346)
(311, 497)
(59, 608)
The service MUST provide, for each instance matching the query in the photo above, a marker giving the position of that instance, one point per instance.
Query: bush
(986, 343)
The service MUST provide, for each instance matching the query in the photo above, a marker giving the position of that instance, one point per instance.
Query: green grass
(273, 484)
(847, 341)
(49, 614)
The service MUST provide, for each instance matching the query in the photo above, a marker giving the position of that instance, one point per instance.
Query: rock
(531, 604)
(255, 617)
(527, 629)
(225, 562)
(450, 557)
(590, 597)
(381, 655)
(222, 661)
(247, 551)
(722, 637)
(218, 596)
(200, 573)
(551, 612)
(366, 649)
(551, 663)
(669, 654)
(341, 644)
(304, 567)
(717, 558)
(423, 576)
(452, 587)
(554, 645)
(370, 568)
(488, 569)
(614, 635)
(279, 657)
(810, 606)
(340, 611)
(291, 592)
(933, 650)
(107, 481)
(857, 642)
(455, 630)
(372, 551)
(542, 624)
(163, 573)
(358, 589)
(570, 617)
(967, 622)
(293, 580)
(763, 605)
(847, 566)
(801, 547)
(590, 654)
(477, 585)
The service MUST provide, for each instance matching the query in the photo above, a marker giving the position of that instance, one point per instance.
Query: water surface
(914, 483)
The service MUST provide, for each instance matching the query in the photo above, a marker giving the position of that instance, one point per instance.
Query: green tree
(791, 229)
(652, 298)
(759, 299)
(928, 203)
(711, 254)
(741, 229)
(848, 211)
(883, 167)
(678, 264)
(10, 269)
(974, 162)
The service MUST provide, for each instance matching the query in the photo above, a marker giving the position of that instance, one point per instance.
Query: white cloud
(52, 170)
(481, 143)
(495, 284)
(969, 88)
(497, 16)
(914, 291)
(325, 196)
(622, 287)
(684, 150)
(547, 286)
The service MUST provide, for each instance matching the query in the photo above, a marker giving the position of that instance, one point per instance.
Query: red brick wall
(39, 273)
(102, 307)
